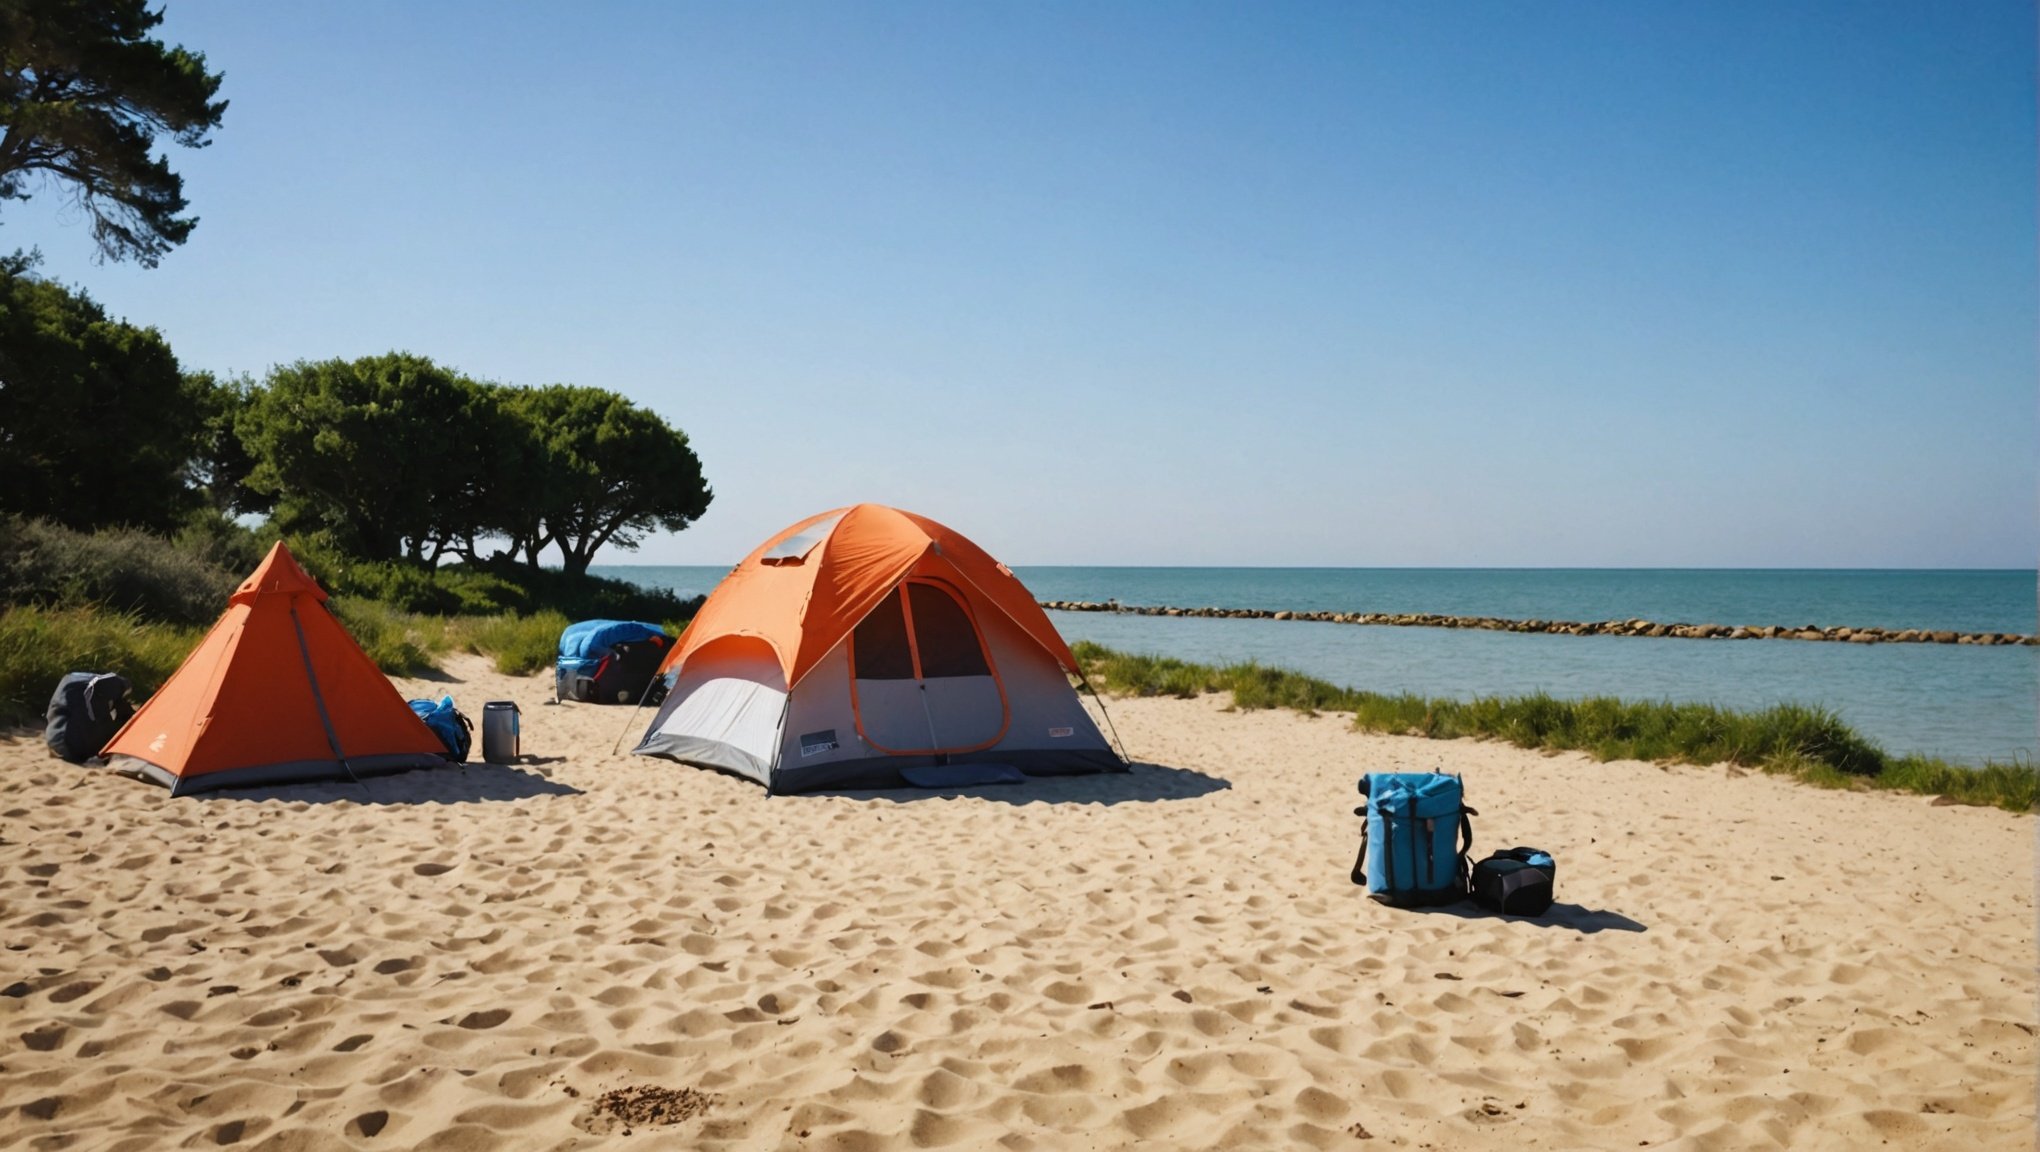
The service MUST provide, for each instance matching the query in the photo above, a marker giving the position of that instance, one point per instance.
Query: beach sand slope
(550, 954)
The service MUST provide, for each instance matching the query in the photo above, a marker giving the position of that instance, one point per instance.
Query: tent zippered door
(922, 640)
(920, 677)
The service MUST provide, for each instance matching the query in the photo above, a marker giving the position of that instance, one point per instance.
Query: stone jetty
(1571, 627)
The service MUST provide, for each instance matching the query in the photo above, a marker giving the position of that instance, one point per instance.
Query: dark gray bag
(85, 712)
(1516, 882)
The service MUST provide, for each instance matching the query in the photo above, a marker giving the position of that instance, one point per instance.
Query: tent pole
(628, 720)
(319, 698)
(1105, 712)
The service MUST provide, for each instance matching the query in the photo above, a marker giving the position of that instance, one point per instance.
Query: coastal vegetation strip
(1572, 627)
(132, 602)
(1808, 743)
(38, 645)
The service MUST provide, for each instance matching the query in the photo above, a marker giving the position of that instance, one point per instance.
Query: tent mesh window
(879, 645)
(944, 634)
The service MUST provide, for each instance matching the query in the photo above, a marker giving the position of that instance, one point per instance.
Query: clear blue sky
(1349, 284)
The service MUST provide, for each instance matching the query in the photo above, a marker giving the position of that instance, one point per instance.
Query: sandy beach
(478, 958)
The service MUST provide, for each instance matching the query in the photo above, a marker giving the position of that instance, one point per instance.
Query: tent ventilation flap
(794, 549)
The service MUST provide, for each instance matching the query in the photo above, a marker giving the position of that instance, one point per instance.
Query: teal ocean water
(1964, 703)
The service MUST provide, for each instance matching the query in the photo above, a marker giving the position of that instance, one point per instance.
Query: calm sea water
(1966, 704)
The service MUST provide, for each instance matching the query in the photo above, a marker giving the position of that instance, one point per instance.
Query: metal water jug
(501, 739)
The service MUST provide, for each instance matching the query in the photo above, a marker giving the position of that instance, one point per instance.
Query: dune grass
(407, 643)
(39, 645)
(401, 643)
(1811, 744)
(516, 645)
(129, 602)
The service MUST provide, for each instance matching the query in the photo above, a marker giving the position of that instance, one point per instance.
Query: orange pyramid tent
(276, 693)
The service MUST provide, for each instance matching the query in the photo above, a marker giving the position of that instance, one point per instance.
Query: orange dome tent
(865, 641)
(277, 692)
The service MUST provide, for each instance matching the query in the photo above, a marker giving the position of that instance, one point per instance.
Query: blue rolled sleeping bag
(609, 661)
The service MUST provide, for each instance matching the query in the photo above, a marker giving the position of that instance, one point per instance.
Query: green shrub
(407, 643)
(401, 643)
(213, 538)
(123, 570)
(39, 645)
(585, 597)
(186, 579)
(488, 589)
(517, 645)
(475, 592)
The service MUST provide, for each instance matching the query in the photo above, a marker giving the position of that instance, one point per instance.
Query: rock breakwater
(1572, 627)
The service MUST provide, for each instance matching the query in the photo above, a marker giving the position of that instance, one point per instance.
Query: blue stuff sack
(1413, 847)
(611, 662)
(453, 729)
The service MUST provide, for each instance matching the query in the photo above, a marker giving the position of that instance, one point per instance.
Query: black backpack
(85, 712)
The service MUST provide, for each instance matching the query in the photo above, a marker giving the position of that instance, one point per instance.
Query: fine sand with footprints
(549, 955)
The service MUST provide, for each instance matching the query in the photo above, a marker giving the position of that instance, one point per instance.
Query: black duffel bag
(1515, 881)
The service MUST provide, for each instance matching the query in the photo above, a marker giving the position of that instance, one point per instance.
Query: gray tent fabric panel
(892, 714)
(723, 711)
(965, 711)
(142, 770)
(884, 771)
(820, 727)
(259, 775)
(729, 709)
(1045, 712)
(706, 754)
(1039, 697)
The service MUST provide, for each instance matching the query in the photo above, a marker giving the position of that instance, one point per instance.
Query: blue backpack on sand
(1413, 847)
(453, 729)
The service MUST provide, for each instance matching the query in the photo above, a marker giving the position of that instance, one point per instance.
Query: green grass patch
(39, 645)
(1811, 744)
(516, 645)
(2014, 786)
(129, 602)
(96, 586)
(401, 643)
(408, 643)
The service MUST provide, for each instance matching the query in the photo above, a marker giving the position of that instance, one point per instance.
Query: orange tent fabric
(277, 692)
(803, 610)
(867, 647)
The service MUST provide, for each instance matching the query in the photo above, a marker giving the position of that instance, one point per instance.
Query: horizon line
(1437, 567)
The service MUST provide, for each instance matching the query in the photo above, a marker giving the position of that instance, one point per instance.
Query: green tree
(98, 427)
(495, 492)
(220, 462)
(84, 94)
(609, 472)
(367, 455)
